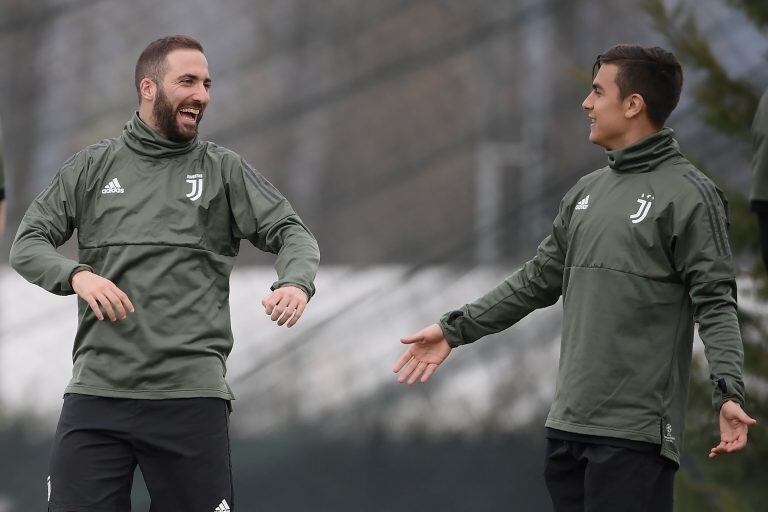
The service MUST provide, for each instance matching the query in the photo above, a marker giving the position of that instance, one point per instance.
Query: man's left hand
(285, 304)
(734, 424)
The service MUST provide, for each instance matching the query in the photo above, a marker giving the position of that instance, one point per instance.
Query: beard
(165, 117)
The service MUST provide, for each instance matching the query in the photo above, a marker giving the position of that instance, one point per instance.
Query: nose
(201, 94)
(587, 103)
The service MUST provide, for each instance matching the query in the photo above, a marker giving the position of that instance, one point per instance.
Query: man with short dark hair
(639, 251)
(759, 189)
(160, 216)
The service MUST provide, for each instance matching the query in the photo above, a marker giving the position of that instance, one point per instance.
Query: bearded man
(159, 217)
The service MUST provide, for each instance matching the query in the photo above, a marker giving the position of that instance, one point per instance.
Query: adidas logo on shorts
(223, 507)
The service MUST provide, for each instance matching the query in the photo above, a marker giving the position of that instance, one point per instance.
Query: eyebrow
(597, 87)
(206, 80)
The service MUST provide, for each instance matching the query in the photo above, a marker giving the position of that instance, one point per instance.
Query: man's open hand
(428, 348)
(285, 304)
(96, 290)
(734, 424)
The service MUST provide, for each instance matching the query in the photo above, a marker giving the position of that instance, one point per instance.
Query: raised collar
(145, 141)
(645, 154)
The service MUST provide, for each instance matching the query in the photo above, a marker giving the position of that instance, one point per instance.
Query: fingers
(299, 311)
(408, 370)
(269, 303)
(413, 338)
(402, 361)
(415, 368)
(94, 307)
(744, 418)
(127, 304)
(106, 305)
(102, 296)
(419, 370)
(729, 444)
(285, 306)
(114, 302)
(431, 367)
(284, 310)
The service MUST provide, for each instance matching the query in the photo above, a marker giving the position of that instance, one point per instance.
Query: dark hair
(653, 73)
(152, 64)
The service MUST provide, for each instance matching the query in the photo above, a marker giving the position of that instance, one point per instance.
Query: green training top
(639, 251)
(163, 221)
(759, 190)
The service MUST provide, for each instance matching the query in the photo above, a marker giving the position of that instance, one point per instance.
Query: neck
(145, 114)
(632, 135)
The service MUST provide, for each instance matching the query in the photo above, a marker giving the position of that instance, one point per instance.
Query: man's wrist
(77, 270)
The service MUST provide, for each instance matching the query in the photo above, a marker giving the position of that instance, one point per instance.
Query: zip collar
(147, 142)
(646, 154)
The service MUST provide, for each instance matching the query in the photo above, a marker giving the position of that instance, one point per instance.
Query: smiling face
(606, 110)
(175, 106)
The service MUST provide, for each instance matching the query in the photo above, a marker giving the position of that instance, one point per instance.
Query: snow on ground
(334, 367)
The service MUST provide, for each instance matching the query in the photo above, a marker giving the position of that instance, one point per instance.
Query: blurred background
(427, 144)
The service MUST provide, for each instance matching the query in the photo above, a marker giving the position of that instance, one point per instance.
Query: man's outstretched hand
(428, 348)
(285, 304)
(734, 424)
(97, 290)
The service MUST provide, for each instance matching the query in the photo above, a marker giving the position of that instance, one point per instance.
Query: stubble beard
(165, 117)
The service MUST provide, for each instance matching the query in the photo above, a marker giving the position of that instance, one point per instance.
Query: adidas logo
(223, 507)
(583, 204)
(113, 187)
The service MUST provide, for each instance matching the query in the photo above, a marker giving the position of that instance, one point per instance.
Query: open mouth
(189, 114)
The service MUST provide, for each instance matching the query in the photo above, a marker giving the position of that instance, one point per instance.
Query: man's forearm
(715, 311)
(34, 257)
(298, 259)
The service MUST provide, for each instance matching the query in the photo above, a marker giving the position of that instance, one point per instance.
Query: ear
(147, 89)
(634, 105)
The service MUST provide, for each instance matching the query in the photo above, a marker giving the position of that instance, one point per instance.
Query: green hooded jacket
(639, 251)
(163, 221)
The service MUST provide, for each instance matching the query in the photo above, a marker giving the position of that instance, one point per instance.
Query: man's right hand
(95, 290)
(428, 348)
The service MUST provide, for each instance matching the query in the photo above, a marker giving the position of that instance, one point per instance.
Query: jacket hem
(632, 435)
(149, 394)
(577, 428)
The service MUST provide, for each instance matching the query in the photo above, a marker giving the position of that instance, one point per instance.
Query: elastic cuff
(283, 284)
(451, 332)
(78, 268)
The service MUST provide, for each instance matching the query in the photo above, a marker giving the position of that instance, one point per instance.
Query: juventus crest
(196, 180)
(645, 200)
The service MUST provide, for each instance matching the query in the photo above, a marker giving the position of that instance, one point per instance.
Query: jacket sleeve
(703, 259)
(264, 217)
(537, 284)
(47, 224)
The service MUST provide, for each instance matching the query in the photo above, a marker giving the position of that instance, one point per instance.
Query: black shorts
(589, 477)
(180, 445)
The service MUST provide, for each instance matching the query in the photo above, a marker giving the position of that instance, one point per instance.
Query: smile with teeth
(189, 112)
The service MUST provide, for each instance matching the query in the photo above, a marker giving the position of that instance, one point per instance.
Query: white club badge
(645, 200)
(196, 180)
